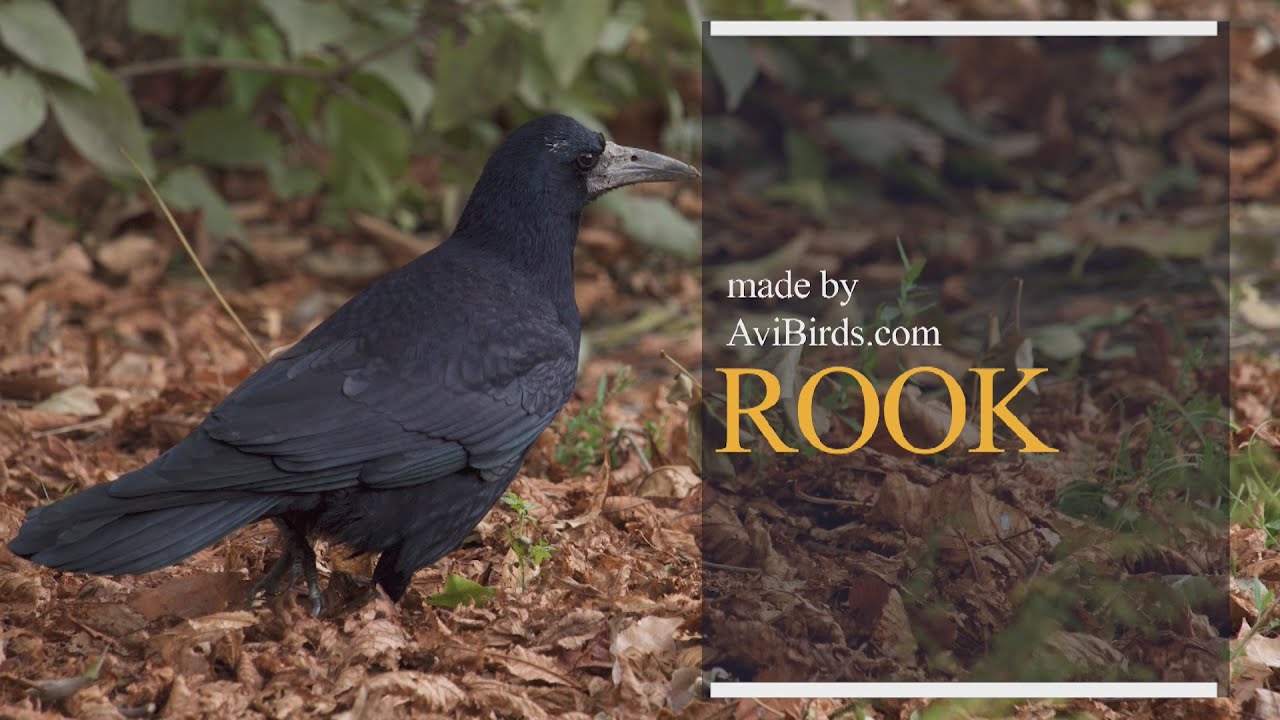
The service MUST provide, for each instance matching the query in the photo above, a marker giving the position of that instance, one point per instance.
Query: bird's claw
(270, 582)
(299, 559)
(313, 584)
(317, 601)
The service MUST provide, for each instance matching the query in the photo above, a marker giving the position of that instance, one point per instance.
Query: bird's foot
(270, 583)
(299, 559)
(348, 593)
(313, 584)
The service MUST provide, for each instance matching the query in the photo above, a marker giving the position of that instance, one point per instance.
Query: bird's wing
(386, 409)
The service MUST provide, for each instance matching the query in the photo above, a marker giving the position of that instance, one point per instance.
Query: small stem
(164, 65)
(192, 253)
(333, 74)
(683, 371)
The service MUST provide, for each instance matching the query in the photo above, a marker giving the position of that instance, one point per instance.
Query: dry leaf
(531, 666)
(77, 401)
(640, 652)
(379, 642)
(22, 588)
(433, 693)
(669, 481)
(191, 596)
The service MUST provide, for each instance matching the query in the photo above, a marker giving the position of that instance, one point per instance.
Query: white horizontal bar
(965, 28)
(1007, 690)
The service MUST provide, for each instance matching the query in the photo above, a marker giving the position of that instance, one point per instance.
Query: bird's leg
(306, 559)
(299, 559)
(270, 582)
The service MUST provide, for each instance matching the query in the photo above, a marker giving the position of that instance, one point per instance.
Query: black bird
(396, 424)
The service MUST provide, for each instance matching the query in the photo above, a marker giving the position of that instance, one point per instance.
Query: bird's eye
(587, 160)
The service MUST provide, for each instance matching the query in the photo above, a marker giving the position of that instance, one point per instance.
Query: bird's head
(560, 162)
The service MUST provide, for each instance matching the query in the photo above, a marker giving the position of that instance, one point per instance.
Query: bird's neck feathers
(527, 227)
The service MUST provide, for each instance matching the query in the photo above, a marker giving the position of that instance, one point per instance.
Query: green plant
(460, 591)
(1255, 500)
(336, 96)
(585, 437)
(902, 312)
(530, 553)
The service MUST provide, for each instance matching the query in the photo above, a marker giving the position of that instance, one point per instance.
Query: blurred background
(307, 148)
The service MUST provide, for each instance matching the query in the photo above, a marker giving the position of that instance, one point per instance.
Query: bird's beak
(621, 165)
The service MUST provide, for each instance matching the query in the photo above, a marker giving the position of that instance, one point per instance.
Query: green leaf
(878, 139)
(517, 503)
(616, 75)
(491, 59)
(655, 223)
(309, 26)
(303, 96)
(619, 27)
(540, 553)
(263, 43)
(942, 112)
(538, 87)
(1180, 242)
(908, 70)
(401, 71)
(806, 160)
(224, 137)
(159, 17)
(1058, 342)
(187, 188)
(25, 107)
(460, 591)
(369, 155)
(37, 33)
(410, 85)
(291, 181)
(102, 122)
(912, 77)
(570, 31)
(734, 64)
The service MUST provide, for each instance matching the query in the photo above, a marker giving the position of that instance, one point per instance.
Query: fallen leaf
(531, 666)
(78, 401)
(433, 693)
(639, 652)
(669, 481)
(192, 596)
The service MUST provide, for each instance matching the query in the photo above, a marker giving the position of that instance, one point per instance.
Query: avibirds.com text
(786, 331)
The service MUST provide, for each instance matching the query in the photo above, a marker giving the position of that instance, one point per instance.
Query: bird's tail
(94, 532)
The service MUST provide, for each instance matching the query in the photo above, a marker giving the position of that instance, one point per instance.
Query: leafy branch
(366, 86)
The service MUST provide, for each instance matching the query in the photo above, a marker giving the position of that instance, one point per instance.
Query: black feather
(396, 424)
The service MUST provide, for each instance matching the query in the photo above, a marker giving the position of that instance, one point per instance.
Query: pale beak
(621, 165)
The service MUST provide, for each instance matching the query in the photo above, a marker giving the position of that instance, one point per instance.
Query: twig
(104, 421)
(828, 501)
(334, 77)
(381, 51)
(732, 568)
(110, 641)
(344, 90)
(192, 253)
(773, 710)
(627, 436)
(683, 370)
(164, 65)
(333, 74)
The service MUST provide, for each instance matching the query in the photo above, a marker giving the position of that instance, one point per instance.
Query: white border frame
(961, 28)
(965, 28)
(956, 690)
